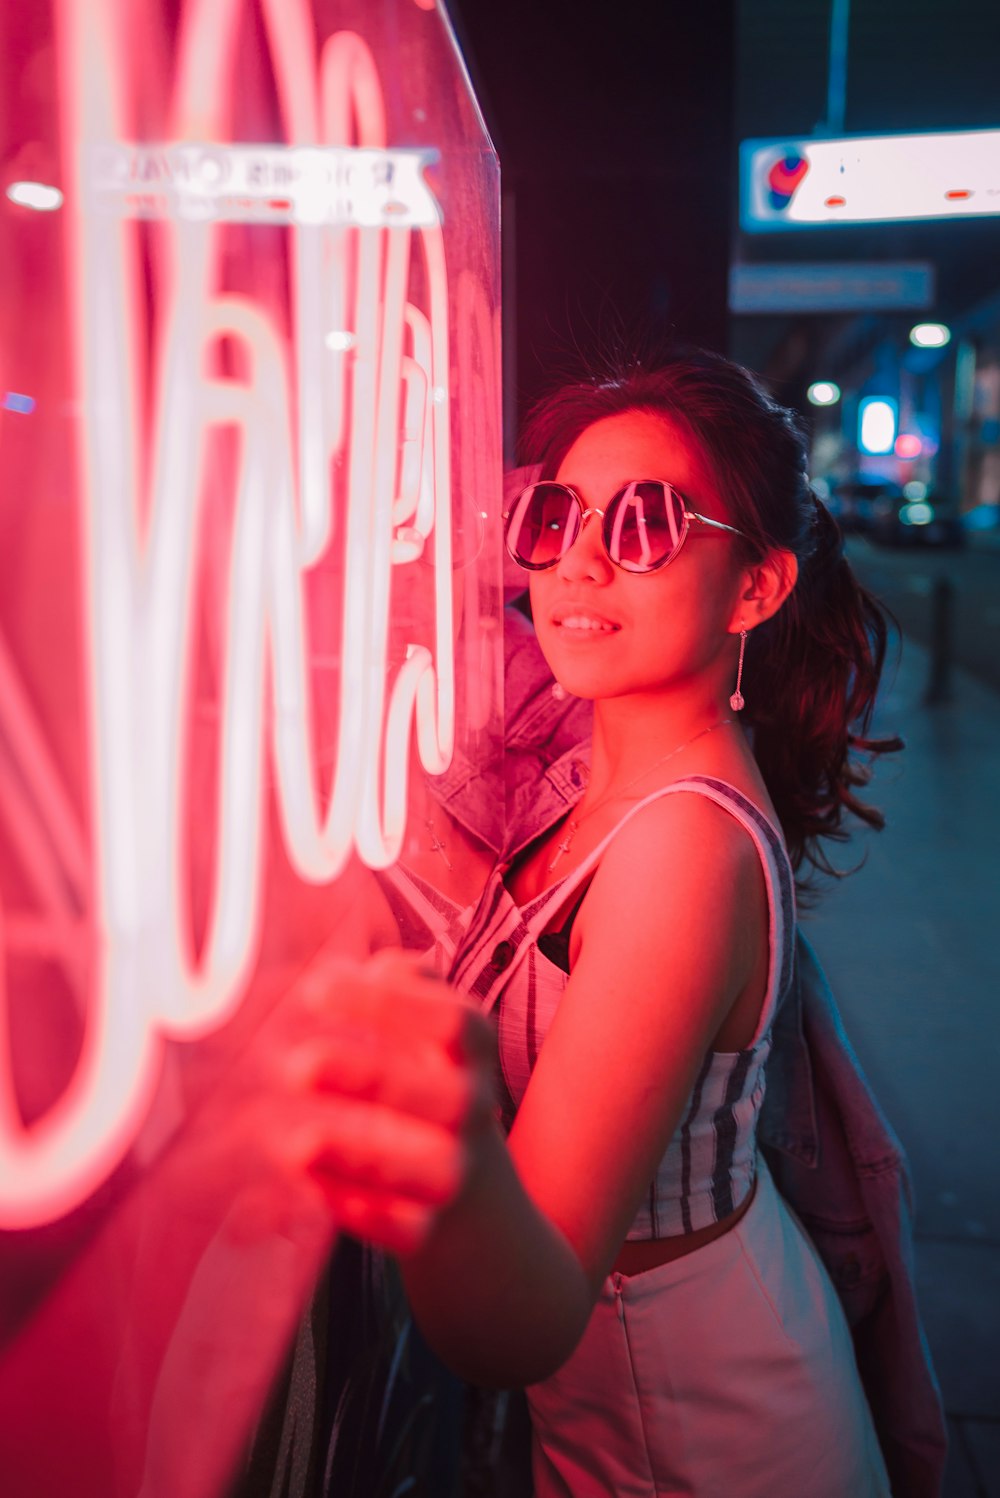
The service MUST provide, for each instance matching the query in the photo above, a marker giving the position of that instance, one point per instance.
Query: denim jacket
(833, 1154)
(839, 1164)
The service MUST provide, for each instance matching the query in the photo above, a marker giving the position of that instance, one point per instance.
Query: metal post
(836, 88)
(942, 642)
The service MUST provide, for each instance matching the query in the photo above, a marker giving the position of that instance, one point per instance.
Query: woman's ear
(763, 589)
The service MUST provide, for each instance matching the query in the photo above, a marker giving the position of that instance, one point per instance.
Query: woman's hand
(392, 1074)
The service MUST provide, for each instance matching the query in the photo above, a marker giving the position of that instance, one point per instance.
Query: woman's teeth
(580, 621)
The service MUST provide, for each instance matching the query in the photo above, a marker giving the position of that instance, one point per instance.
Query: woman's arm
(504, 1245)
(669, 936)
(397, 1129)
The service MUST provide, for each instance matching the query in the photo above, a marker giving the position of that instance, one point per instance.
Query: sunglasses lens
(643, 525)
(543, 525)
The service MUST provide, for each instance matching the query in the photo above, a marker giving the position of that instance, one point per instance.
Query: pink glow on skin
(140, 542)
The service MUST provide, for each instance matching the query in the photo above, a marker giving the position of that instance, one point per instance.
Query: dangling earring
(736, 701)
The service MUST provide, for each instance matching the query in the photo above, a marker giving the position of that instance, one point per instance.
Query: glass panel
(250, 665)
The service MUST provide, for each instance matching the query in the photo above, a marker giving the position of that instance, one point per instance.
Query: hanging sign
(864, 179)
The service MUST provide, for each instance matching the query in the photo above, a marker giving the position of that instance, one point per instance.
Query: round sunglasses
(643, 525)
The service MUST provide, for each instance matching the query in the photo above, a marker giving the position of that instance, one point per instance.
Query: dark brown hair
(812, 671)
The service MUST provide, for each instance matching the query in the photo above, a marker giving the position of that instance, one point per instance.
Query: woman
(623, 1253)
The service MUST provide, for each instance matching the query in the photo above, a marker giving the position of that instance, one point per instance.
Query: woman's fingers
(419, 1080)
(386, 1074)
(390, 996)
(362, 1144)
(389, 1033)
(397, 1223)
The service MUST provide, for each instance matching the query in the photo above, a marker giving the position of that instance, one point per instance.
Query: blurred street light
(823, 393)
(877, 424)
(930, 335)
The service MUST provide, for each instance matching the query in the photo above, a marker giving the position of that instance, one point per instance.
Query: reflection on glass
(249, 664)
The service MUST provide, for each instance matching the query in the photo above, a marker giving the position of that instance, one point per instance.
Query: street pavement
(910, 944)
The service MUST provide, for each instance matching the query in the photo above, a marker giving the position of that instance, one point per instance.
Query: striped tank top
(709, 1166)
(429, 922)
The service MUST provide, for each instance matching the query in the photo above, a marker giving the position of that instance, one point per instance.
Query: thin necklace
(437, 846)
(571, 826)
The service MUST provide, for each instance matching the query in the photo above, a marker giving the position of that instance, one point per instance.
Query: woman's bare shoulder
(666, 834)
(680, 875)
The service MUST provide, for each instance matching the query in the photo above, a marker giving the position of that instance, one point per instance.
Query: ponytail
(812, 674)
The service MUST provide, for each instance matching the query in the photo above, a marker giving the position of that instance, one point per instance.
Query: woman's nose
(586, 557)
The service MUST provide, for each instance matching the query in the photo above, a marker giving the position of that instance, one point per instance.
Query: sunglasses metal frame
(687, 516)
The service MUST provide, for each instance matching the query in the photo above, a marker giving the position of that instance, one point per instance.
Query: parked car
(854, 502)
(932, 521)
(982, 520)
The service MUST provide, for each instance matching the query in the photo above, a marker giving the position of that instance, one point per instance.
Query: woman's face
(609, 633)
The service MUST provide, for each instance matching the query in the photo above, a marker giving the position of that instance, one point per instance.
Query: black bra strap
(555, 944)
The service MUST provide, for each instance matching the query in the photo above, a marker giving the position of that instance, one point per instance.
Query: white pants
(729, 1373)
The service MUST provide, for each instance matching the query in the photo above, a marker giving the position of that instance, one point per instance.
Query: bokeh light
(877, 424)
(930, 335)
(38, 195)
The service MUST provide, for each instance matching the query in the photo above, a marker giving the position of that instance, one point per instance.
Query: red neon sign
(317, 417)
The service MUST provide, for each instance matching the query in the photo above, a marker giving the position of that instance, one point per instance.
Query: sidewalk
(911, 944)
(987, 539)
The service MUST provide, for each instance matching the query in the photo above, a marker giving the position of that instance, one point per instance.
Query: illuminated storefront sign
(795, 184)
(309, 421)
